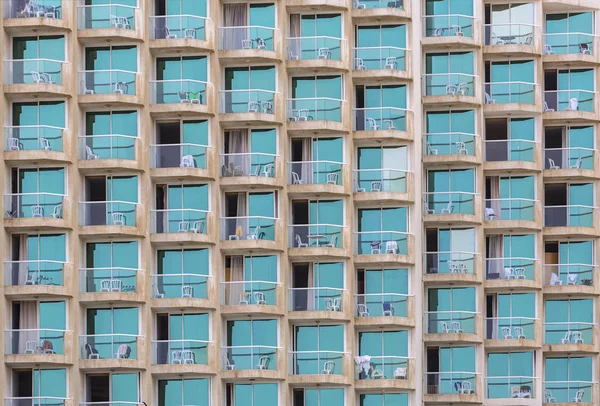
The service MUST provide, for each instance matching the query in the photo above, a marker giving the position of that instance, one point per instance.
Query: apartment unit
(300, 202)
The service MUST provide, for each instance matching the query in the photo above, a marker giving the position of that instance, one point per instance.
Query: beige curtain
(495, 265)
(234, 15)
(495, 195)
(237, 275)
(242, 212)
(28, 319)
(307, 172)
(295, 48)
(239, 144)
(23, 267)
(311, 284)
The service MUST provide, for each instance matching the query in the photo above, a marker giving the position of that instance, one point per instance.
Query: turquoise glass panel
(124, 387)
(50, 383)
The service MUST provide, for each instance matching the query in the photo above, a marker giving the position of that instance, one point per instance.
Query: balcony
(42, 277)
(455, 89)
(575, 104)
(37, 77)
(255, 106)
(451, 147)
(511, 97)
(512, 213)
(570, 219)
(374, 123)
(322, 367)
(42, 14)
(383, 185)
(179, 356)
(254, 44)
(452, 386)
(109, 22)
(36, 143)
(172, 162)
(511, 387)
(110, 284)
(570, 337)
(565, 392)
(310, 240)
(451, 326)
(111, 351)
(36, 342)
(450, 207)
(108, 151)
(323, 303)
(110, 218)
(376, 63)
(309, 177)
(384, 309)
(251, 361)
(37, 400)
(388, 371)
(569, 278)
(380, 10)
(512, 273)
(455, 30)
(180, 225)
(250, 168)
(264, 297)
(98, 87)
(316, 114)
(179, 98)
(180, 33)
(570, 47)
(249, 232)
(570, 163)
(39, 210)
(514, 39)
(451, 266)
(517, 154)
(383, 246)
(319, 53)
(510, 332)
(180, 286)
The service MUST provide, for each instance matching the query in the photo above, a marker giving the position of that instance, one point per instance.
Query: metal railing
(178, 26)
(180, 286)
(249, 293)
(380, 118)
(247, 101)
(444, 262)
(190, 91)
(370, 4)
(33, 71)
(247, 37)
(385, 367)
(566, 391)
(508, 328)
(449, 25)
(448, 84)
(510, 387)
(569, 274)
(315, 235)
(248, 164)
(449, 202)
(188, 351)
(243, 357)
(185, 155)
(37, 8)
(381, 242)
(449, 143)
(248, 228)
(107, 146)
(315, 108)
(381, 304)
(33, 205)
(569, 333)
(315, 173)
(319, 47)
(319, 298)
(106, 16)
(34, 272)
(509, 92)
(569, 43)
(448, 322)
(37, 401)
(384, 57)
(451, 383)
(569, 100)
(569, 216)
(509, 34)
(316, 362)
(569, 158)
(108, 213)
(33, 138)
(34, 341)
(108, 346)
(107, 81)
(509, 150)
(380, 180)
(510, 268)
(113, 279)
(179, 221)
(510, 209)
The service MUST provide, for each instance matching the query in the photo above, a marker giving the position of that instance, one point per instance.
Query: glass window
(451, 191)
(182, 271)
(566, 32)
(384, 229)
(505, 371)
(49, 383)
(255, 394)
(383, 399)
(111, 134)
(388, 350)
(446, 128)
(250, 340)
(567, 316)
(110, 328)
(176, 392)
(511, 82)
(323, 397)
(449, 73)
(565, 376)
(33, 122)
(116, 260)
(110, 69)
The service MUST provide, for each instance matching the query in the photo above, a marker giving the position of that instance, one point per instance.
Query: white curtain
(238, 144)
(28, 319)
(311, 284)
(495, 251)
(306, 170)
(237, 275)
(295, 32)
(23, 267)
(242, 222)
(234, 15)
(495, 195)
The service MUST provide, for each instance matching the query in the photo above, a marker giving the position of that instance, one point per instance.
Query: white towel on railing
(363, 362)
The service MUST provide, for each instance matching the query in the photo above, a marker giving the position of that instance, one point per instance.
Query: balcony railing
(243, 357)
(33, 272)
(451, 383)
(569, 100)
(248, 164)
(180, 352)
(247, 101)
(510, 268)
(246, 37)
(448, 322)
(370, 4)
(385, 57)
(39, 8)
(449, 202)
(385, 367)
(33, 138)
(315, 299)
(108, 346)
(306, 48)
(180, 286)
(449, 25)
(187, 91)
(317, 362)
(568, 43)
(177, 26)
(569, 274)
(33, 205)
(509, 34)
(508, 328)
(106, 16)
(382, 304)
(249, 293)
(381, 242)
(509, 92)
(510, 209)
(449, 143)
(33, 71)
(36, 401)
(248, 228)
(113, 279)
(380, 118)
(567, 391)
(315, 236)
(448, 84)
(569, 333)
(510, 387)
(109, 213)
(34, 341)
(107, 146)
(444, 262)
(315, 108)
(509, 150)
(380, 180)
(108, 81)
(184, 155)
(179, 221)
(569, 216)
(315, 173)
(569, 158)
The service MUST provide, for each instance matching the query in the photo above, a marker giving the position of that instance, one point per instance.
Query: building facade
(393, 258)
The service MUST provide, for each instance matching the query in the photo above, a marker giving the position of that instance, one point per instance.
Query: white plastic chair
(189, 33)
(260, 44)
(36, 77)
(359, 64)
(457, 30)
(268, 171)
(244, 298)
(263, 363)
(552, 164)
(488, 99)
(566, 339)
(546, 109)
(254, 235)
(466, 388)
(296, 179)
(13, 144)
(183, 227)
(448, 209)
(451, 89)
(519, 333)
(45, 144)
(168, 34)
(328, 368)
(390, 63)
(400, 373)
(324, 53)
(579, 396)
(332, 178)
(389, 124)
(198, 227)
(89, 154)
(576, 337)
(431, 151)
(157, 293)
(188, 357)
(228, 365)
(577, 164)
(187, 161)
(30, 347)
(58, 212)
(122, 351)
(391, 246)
(376, 186)
(118, 219)
(584, 49)
(253, 106)
(456, 327)
(372, 123)
(362, 310)
(259, 298)
(332, 243)
(461, 148)
(116, 285)
(444, 327)
(105, 285)
(299, 242)
(506, 333)
(246, 44)
(548, 50)
(37, 211)
(358, 6)
(290, 55)
(120, 88)
(358, 189)
(573, 104)
(187, 291)
(572, 279)
(548, 396)
(175, 357)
